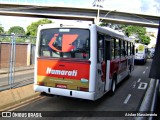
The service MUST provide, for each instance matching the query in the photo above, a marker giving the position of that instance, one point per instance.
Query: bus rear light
(41, 83)
(82, 89)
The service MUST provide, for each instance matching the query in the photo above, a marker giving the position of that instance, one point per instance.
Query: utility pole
(98, 4)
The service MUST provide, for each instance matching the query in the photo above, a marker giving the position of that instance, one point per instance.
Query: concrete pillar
(29, 54)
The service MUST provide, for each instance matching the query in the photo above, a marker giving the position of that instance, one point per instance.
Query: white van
(141, 53)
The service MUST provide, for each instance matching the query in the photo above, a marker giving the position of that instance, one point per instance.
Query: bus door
(101, 64)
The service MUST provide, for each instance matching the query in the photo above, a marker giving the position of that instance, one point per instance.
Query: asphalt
(17, 95)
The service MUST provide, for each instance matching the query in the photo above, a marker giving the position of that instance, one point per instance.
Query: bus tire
(113, 86)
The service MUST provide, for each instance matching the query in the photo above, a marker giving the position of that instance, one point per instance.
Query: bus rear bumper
(140, 60)
(65, 92)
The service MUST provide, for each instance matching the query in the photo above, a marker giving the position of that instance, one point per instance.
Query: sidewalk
(19, 93)
(17, 69)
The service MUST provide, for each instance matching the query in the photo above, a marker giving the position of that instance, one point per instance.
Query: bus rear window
(64, 43)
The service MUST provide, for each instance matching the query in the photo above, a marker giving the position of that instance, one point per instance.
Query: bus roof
(115, 33)
(106, 30)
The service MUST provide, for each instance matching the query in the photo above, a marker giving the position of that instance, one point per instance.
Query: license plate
(61, 86)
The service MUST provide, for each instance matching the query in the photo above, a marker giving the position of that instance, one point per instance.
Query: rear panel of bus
(63, 64)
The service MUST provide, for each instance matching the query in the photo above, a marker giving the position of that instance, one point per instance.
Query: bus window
(108, 47)
(64, 43)
(133, 52)
(129, 49)
(117, 49)
(112, 49)
(100, 48)
(123, 50)
(126, 47)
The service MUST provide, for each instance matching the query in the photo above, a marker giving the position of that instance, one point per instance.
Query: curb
(150, 100)
(17, 95)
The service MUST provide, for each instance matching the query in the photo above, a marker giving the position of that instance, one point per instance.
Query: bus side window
(133, 52)
(123, 49)
(113, 49)
(117, 49)
(126, 47)
(120, 49)
(100, 48)
(108, 47)
(129, 49)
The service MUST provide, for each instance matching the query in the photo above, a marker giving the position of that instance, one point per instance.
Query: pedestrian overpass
(77, 13)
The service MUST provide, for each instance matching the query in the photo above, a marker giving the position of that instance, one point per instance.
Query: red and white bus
(81, 61)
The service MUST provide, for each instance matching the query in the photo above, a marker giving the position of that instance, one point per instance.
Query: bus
(141, 53)
(81, 61)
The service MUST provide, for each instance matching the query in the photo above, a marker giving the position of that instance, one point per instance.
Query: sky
(139, 6)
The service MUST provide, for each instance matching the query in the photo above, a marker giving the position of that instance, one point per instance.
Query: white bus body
(141, 53)
(81, 61)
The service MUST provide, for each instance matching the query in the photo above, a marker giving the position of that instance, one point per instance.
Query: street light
(97, 18)
(107, 14)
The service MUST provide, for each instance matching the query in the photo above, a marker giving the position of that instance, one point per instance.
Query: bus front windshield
(64, 43)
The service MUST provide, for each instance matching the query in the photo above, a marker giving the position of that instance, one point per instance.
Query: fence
(15, 54)
(24, 52)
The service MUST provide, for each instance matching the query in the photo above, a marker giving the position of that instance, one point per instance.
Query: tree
(17, 30)
(32, 29)
(1, 29)
(130, 30)
(145, 39)
(140, 32)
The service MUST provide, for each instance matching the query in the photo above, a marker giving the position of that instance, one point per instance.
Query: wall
(21, 54)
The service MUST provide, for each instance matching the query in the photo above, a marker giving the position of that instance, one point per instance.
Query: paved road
(128, 97)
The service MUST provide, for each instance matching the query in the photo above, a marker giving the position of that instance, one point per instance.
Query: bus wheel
(113, 86)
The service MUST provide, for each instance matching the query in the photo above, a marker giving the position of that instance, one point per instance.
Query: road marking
(144, 72)
(127, 99)
(146, 67)
(142, 86)
(134, 84)
(139, 80)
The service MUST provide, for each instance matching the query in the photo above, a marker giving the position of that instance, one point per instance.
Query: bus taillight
(41, 83)
(82, 89)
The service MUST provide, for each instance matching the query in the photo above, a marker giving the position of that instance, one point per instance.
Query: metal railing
(8, 62)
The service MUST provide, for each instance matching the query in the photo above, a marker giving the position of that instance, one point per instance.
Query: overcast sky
(136, 6)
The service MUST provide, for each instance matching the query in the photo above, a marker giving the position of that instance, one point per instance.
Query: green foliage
(17, 30)
(1, 29)
(140, 32)
(130, 30)
(5, 39)
(144, 39)
(32, 29)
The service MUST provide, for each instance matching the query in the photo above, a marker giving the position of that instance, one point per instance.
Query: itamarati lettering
(61, 72)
